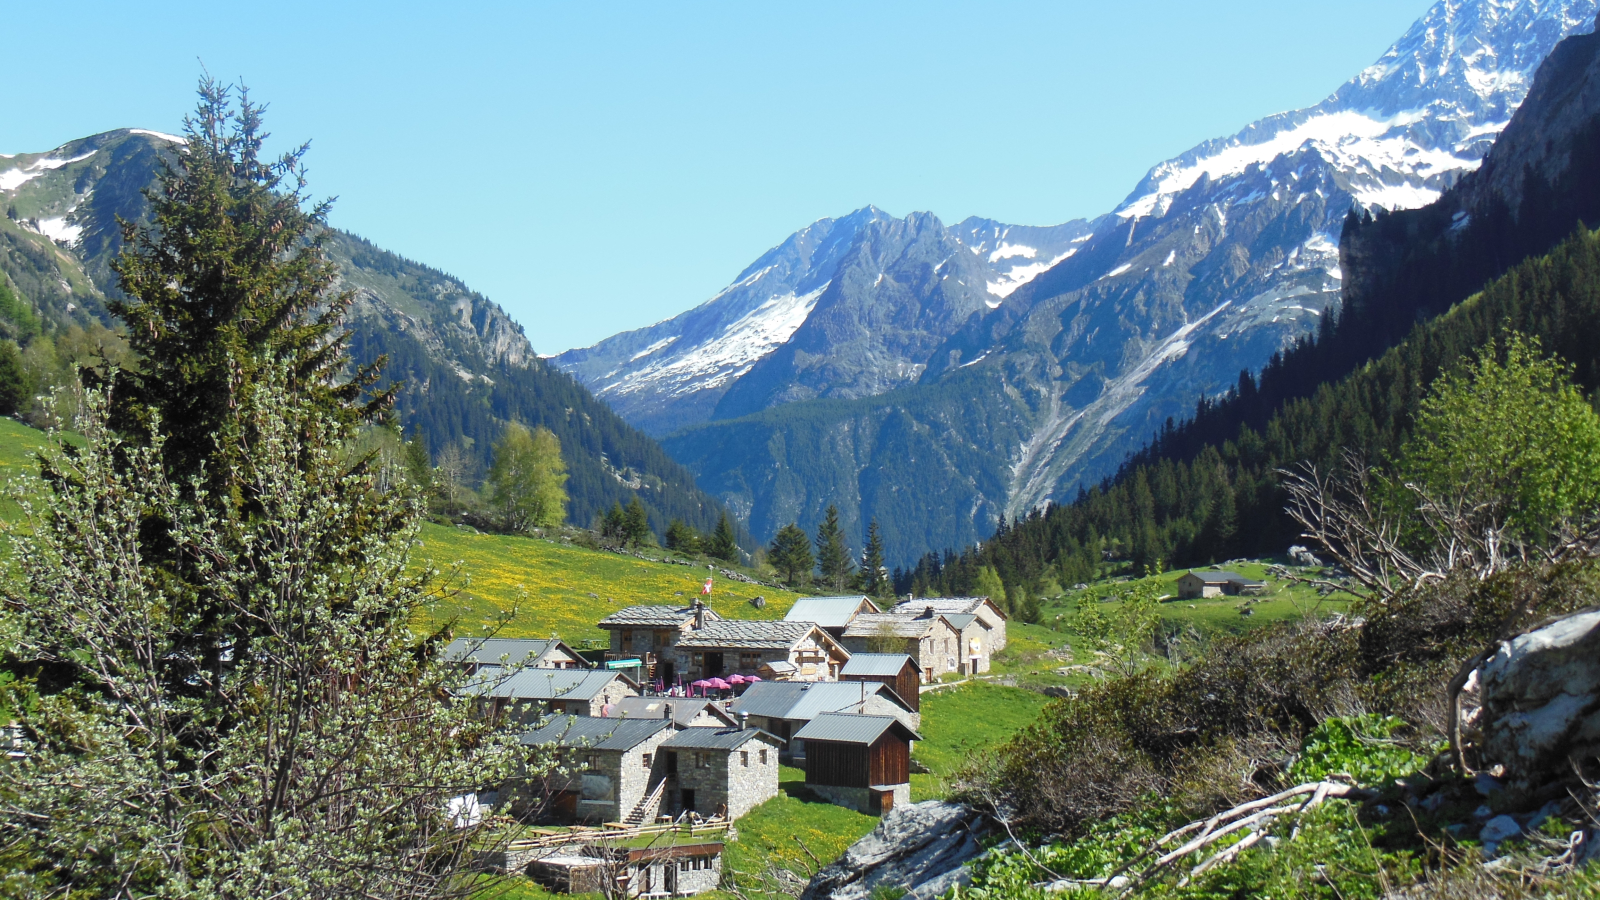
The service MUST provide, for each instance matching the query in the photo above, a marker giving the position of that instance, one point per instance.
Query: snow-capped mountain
(1217, 259)
(843, 308)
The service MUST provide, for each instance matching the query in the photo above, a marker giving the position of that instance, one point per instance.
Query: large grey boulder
(921, 848)
(1541, 701)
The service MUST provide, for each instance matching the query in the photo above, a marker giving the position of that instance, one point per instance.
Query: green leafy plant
(1362, 747)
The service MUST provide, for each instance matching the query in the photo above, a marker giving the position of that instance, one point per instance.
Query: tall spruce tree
(874, 577)
(636, 524)
(231, 699)
(833, 555)
(790, 553)
(724, 545)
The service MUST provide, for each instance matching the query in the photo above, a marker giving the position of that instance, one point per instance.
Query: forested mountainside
(1220, 259)
(844, 308)
(1209, 490)
(468, 367)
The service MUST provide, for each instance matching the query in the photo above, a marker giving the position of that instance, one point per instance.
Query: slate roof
(654, 617)
(717, 738)
(1223, 578)
(890, 624)
(684, 709)
(852, 729)
(958, 605)
(829, 612)
(594, 733)
(491, 651)
(788, 700)
(761, 635)
(877, 664)
(542, 684)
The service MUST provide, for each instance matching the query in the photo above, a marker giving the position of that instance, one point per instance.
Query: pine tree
(790, 553)
(636, 525)
(833, 556)
(724, 545)
(614, 524)
(682, 538)
(874, 578)
(16, 388)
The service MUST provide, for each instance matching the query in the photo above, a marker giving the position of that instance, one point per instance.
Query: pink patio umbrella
(701, 684)
(737, 679)
(752, 679)
(718, 684)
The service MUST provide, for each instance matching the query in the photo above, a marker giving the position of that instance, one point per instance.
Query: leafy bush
(1362, 747)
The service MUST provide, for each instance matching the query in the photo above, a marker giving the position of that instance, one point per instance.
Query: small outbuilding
(860, 762)
(896, 670)
(925, 636)
(784, 708)
(831, 614)
(526, 694)
(1200, 585)
(476, 654)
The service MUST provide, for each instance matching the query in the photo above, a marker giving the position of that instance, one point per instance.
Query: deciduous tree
(527, 483)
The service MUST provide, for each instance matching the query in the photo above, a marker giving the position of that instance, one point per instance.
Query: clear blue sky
(598, 166)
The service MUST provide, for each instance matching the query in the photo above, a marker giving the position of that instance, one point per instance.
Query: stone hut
(989, 615)
(862, 762)
(896, 670)
(650, 634)
(721, 771)
(728, 646)
(682, 868)
(612, 767)
(926, 637)
(784, 708)
(524, 695)
(477, 654)
(1200, 585)
(831, 614)
(687, 712)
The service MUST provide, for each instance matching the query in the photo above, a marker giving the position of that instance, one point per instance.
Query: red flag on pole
(707, 589)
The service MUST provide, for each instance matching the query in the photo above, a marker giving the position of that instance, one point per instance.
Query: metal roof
(654, 616)
(878, 664)
(1224, 578)
(684, 709)
(542, 684)
(717, 738)
(788, 700)
(595, 733)
(500, 651)
(829, 612)
(960, 621)
(748, 635)
(852, 729)
(891, 625)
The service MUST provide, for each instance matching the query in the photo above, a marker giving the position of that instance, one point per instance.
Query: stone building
(794, 651)
(721, 771)
(477, 654)
(784, 708)
(687, 712)
(862, 762)
(926, 637)
(612, 767)
(682, 869)
(649, 633)
(1198, 585)
(524, 695)
(989, 615)
(896, 670)
(832, 614)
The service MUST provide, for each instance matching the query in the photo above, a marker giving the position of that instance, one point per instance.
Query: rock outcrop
(1540, 695)
(923, 849)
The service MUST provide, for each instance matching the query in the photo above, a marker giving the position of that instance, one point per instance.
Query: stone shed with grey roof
(989, 615)
(478, 653)
(609, 767)
(526, 694)
(928, 638)
(722, 771)
(732, 646)
(784, 708)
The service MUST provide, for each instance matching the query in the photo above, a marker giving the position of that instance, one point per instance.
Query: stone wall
(611, 693)
(858, 799)
(729, 784)
(630, 779)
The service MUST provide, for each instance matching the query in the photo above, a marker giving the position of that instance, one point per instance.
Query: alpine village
(1243, 541)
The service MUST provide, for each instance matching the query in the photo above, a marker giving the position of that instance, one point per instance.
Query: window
(703, 760)
(749, 662)
(592, 760)
(744, 758)
(647, 760)
(627, 640)
(763, 756)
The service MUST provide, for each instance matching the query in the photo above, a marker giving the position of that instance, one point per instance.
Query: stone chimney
(927, 613)
(744, 721)
(666, 711)
(699, 615)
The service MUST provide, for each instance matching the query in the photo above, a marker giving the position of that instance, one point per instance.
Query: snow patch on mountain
(11, 179)
(59, 229)
(726, 357)
(1017, 276)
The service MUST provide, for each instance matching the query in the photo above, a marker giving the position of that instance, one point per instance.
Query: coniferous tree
(681, 538)
(790, 553)
(833, 556)
(16, 387)
(614, 524)
(874, 577)
(724, 545)
(636, 525)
